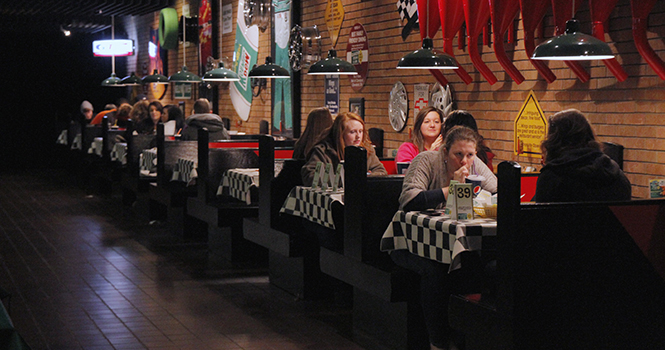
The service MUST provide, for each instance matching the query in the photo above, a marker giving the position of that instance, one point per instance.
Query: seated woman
(173, 112)
(318, 120)
(460, 117)
(576, 169)
(348, 129)
(426, 135)
(426, 187)
(427, 179)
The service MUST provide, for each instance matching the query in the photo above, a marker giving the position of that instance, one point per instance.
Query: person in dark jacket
(576, 169)
(204, 118)
(318, 120)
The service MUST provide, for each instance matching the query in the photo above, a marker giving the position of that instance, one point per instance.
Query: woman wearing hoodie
(575, 168)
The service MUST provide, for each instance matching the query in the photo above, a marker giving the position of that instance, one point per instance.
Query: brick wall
(628, 113)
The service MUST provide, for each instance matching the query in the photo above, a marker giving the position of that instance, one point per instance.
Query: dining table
(148, 162)
(240, 183)
(96, 146)
(433, 235)
(119, 153)
(313, 204)
(184, 170)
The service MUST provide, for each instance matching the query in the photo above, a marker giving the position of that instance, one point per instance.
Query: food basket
(486, 211)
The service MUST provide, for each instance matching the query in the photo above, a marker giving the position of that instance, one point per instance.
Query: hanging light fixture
(131, 80)
(332, 65)
(269, 71)
(425, 57)
(155, 78)
(113, 80)
(184, 76)
(573, 45)
(221, 74)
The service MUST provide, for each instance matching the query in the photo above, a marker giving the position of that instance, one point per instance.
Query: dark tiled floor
(86, 274)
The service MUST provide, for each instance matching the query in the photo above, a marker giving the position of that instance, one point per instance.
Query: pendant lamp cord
(184, 37)
(427, 21)
(113, 38)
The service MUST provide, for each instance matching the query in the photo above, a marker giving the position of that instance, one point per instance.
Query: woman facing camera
(464, 118)
(426, 135)
(348, 129)
(427, 179)
(318, 120)
(575, 167)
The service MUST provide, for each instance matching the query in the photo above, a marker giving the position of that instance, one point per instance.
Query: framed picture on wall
(357, 106)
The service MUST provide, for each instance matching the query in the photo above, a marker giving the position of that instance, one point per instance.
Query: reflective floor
(85, 273)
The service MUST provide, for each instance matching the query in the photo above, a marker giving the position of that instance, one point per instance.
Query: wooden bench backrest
(271, 150)
(168, 153)
(370, 202)
(580, 275)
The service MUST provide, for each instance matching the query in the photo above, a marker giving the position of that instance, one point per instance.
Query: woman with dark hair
(426, 135)
(575, 169)
(140, 116)
(173, 112)
(461, 117)
(318, 120)
(348, 129)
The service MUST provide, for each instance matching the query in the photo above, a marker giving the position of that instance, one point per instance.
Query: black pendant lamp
(332, 65)
(426, 58)
(155, 78)
(573, 45)
(269, 71)
(183, 75)
(113, 80)
(131, 80)
(220, 74)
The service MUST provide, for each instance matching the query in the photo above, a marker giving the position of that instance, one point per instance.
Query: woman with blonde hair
(348, 129)
(426, 135)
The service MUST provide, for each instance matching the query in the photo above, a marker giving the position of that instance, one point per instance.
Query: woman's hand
(461, 174)
(437, 143)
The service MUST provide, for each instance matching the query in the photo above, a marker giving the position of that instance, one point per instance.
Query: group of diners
(448, 148)
(441, 148)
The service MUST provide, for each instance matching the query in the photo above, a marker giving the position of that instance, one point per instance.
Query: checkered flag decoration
(408, 10)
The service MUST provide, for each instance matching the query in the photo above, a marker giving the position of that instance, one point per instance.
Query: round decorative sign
(398, 109)
(357, 53)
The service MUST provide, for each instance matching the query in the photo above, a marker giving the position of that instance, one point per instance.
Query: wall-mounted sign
(227, 18)
(117, 47)
(530, 128)
(357, 53)
(420, 97)
(334, 16)
(332, 93)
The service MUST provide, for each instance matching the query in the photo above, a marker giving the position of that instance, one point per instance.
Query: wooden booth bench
(222, 214)
(293, 258)
(386, 308)
(135, 185)
(570, 276)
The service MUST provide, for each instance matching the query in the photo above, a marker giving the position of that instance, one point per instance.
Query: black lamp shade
(332, 66)
(573, 46)
(220, 74)
(426, 58)
(184, 76)
(269, 71)
(112, 81)
(131, 80)
(155, 78)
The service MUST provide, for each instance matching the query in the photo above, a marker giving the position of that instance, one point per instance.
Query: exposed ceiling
(88, 16)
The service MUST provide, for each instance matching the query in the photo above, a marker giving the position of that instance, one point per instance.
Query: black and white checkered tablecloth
(62, 138)
(314, 205)
(96, 146)
(185, 170)
(148, 162)
(240, 181)
(119, 153)
(77, 143)
(438, 237)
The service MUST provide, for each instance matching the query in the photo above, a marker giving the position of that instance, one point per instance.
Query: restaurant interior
(116, 240)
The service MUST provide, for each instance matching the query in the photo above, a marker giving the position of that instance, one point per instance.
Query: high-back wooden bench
(385, 302)
(570, 276)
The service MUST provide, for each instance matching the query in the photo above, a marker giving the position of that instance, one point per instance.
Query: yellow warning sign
(334, 16)
(530, 128)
